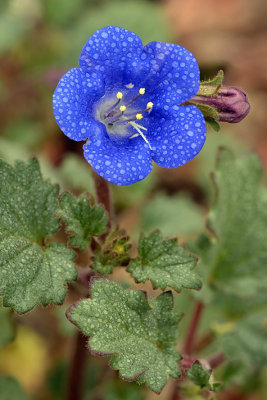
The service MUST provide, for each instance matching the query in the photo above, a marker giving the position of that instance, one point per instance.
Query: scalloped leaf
(83, 219)
(29, 272)
(138, 333)
(164, 263)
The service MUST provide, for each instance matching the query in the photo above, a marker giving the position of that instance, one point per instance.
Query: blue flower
(124, 100)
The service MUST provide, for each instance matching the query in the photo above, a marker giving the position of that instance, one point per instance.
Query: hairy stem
(192, 330)
(80, 351)
(77, 369)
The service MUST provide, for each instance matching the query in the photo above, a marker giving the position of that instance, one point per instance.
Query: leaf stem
(74, 390)
(192, 330)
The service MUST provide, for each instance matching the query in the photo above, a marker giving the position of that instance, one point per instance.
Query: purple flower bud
(231, 103)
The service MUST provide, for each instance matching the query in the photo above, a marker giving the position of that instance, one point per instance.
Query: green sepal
(213, 124)
(207, 111)
(114, 252)
(136, 331)
(217, 80)
(208, 91)
(164, 263)
(83, 219)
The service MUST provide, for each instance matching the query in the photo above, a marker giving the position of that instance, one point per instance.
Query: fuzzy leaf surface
(138, 333)
(83, 219)
(164, 263)
(29, 273)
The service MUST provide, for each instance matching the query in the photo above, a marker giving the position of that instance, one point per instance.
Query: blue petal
(177, 139)
(121, 165)
(172, 67)
(114, 51)
(73, 101)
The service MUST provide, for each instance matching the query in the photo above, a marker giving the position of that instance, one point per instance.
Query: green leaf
(82, 218)
(29, 272)
(199, 375)
(112, 253)
(75, 172)
(232, 263)
(246, 340)
(7, 332)
(164, 263)
(239, 219)
(176, 215)
(11, 389)
(138, 333)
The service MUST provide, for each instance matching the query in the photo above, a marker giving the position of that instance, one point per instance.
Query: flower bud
(230, 103)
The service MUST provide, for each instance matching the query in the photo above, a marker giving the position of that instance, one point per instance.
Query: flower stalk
(80, 350)
(192, 329)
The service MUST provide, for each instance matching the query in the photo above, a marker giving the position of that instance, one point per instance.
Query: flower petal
(121, 165)
(114, 51)
(177, 139)
(73, 102)
(172, 67)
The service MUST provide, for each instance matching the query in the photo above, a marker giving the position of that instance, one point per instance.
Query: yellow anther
(142, 91)
(139, 116)
(119, 95)
(122, 108)
(149, 105)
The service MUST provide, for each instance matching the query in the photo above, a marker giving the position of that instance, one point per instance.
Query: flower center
(118, 117)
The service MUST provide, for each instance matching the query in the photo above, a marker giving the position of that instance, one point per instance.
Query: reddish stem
(76, 374)
(103, 194)
(192, 330)
(175, 395)
(203, 342)
(216, 360)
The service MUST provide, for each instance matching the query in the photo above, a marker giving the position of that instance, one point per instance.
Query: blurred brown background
(39, 41)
